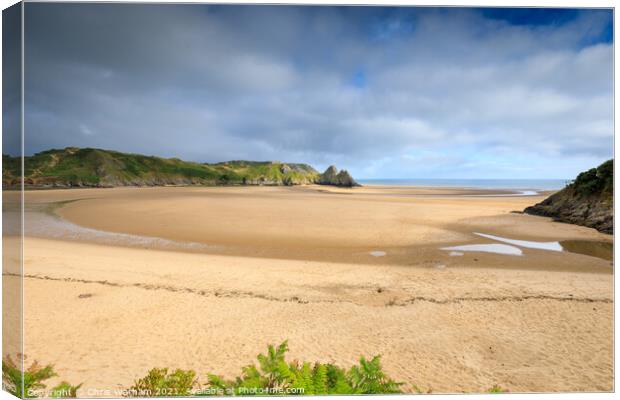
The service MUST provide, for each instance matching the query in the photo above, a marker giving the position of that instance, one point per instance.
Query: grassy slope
(95, 167)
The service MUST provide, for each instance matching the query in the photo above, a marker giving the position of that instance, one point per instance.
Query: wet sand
(296, 263)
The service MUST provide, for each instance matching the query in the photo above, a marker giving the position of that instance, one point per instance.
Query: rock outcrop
(587, 201)
(333, 177)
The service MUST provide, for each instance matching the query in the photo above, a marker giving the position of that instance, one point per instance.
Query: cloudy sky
(384, 92)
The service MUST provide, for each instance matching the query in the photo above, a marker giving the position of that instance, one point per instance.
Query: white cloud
(447, 87)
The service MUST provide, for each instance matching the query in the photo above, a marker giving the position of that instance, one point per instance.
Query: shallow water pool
(551, 246)
(487, 248)
(604, 250)
(599, 249)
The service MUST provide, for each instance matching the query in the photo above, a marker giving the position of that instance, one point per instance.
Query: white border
(464, 3)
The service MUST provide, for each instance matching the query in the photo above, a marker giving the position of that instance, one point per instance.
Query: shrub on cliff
(587, 201)
(596, 180)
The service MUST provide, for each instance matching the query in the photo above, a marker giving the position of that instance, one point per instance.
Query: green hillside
(75, 167)
(587, 201)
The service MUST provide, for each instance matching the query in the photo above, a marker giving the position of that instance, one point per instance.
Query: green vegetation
(496, 389)
(274, 375)
(73, 166)
(271, 375)
(596, 180)
(587, 201)
(158, 382)
(65, 390)
(29, 384)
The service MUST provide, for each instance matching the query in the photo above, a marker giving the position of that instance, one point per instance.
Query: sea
(523, 184)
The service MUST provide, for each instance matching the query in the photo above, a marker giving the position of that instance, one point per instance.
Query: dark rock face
(331, 176)
(345, 179)
(588, 201)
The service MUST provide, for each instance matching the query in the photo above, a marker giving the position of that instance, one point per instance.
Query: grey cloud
(213, 83)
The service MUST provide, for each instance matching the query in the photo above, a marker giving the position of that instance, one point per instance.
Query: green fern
(369, 378)
(29, 383)
(159, 383)
(320, 379)
(337, 382)
(65, 390)
(275, 376)
(26, 384)
(270, 365)
(272, 375)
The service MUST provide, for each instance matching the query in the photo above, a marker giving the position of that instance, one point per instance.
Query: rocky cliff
(331, 176)
(587, 201)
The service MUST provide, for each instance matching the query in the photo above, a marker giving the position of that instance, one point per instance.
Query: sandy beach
(430, 184)
(338, 272)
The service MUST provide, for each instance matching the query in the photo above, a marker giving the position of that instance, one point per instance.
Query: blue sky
(384, 92)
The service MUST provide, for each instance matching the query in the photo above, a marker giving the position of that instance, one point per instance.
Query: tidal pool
(593, 248)
(551, 246)
(487, 248)
(41, 221)
(604, 250)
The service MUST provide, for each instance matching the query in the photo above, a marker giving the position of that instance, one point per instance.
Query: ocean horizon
(524, 184)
